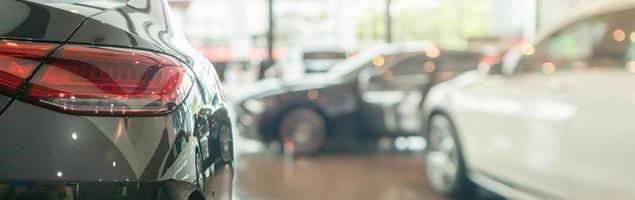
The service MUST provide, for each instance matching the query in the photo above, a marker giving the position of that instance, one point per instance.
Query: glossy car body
(551, 122)
(102, 156)
(376, 93)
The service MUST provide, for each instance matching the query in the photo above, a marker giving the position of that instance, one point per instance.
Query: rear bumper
(93, 190)
(37, 144)
(81, 190)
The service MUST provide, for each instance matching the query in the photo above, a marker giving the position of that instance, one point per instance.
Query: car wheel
(302, 132)
(445, 167)
(200, 175)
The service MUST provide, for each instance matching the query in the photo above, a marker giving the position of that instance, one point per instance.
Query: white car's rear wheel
(444, 162)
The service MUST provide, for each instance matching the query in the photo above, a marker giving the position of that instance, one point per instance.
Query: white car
(554, 120)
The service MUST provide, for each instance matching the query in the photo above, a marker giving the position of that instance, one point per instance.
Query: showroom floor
(342, 174)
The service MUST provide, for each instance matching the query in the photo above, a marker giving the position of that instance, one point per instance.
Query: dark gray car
(104, 100)
(374, 94)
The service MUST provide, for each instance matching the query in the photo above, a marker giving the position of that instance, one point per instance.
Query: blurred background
(276, 57)
(234, 34)
(241, 37)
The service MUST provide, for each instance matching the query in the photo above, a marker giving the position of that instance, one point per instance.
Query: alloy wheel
(200, 175)
(442, 159)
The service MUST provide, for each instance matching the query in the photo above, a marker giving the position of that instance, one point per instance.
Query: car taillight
(18, 59)
(109, 81)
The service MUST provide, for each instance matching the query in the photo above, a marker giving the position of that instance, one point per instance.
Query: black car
(376, 93)
(105, 100)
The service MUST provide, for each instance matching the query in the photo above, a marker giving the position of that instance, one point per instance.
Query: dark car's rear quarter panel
(36, 143)
(53, 22)
(141, 24)
(27, 20)
(145, 25)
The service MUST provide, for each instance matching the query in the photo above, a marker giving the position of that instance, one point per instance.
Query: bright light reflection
(548, 68)
(528, 49)
(379, 61)
(429, 67)
(619, 35)
(433, 52)
(313, 94)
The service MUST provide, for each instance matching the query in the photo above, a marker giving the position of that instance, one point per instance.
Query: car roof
(590, 9)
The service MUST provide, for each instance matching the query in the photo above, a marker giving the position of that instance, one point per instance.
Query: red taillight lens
(17, 61)
(110, 81)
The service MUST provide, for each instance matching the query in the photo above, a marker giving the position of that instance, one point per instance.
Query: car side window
(383, 65)
(397, 71)
(598, 43)
(615, 49)
(566, 50)
(445, 67)
(408, 73)
(411, 65)
(461, 61)
(455, 63)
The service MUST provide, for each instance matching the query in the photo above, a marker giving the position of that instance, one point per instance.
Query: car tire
(221, 143)
(302, 132)
(445, 168)
(200, 174)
